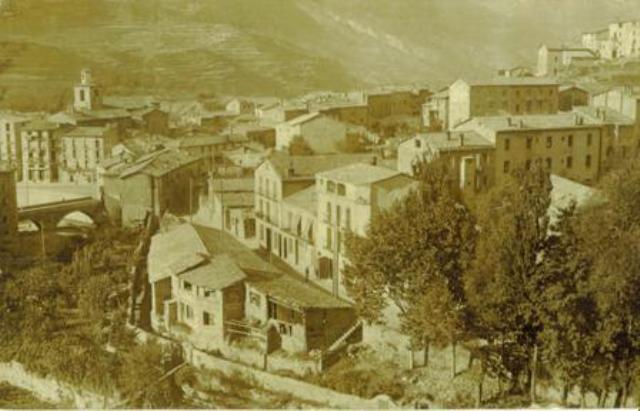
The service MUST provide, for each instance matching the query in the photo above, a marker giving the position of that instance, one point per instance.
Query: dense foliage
(69, 321)
(544, 300)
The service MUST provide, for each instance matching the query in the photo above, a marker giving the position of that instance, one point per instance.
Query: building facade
(40, 151)
(82, 149)
(553, 60)
(504, 95)
(469, 155)
(10, 143)
(322, 133)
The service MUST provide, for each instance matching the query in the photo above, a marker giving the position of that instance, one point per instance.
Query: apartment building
(349, 197)
(8, 200)
(40, 151)
(285, 210)
(567, 144)
(469, 154)
(396, 101)
(82, 149)
(553, 60)
(10, 144)
(506, 95)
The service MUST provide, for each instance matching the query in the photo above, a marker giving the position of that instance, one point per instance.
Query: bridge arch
(77, 217)
(29, 225)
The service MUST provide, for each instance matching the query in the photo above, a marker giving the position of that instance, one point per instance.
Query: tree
(569, 311)
(413, 256)
(501, 284)
(299, 147)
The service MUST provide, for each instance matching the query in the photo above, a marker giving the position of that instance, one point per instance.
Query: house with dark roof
(209, 289)
(82, 149)
(163, 180)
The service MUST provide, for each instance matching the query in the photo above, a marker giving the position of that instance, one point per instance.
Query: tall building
(86, 95)
(8, 201)
(619, 40)
(82, 149)
(10, 146)
(39, 151)
(505, 95)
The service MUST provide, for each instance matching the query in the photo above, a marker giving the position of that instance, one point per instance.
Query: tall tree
(501, 284)
(569, 313)
(413, 256)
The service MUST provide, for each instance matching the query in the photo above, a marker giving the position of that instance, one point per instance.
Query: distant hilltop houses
(618, 41)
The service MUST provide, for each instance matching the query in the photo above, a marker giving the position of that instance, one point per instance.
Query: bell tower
(86, 95)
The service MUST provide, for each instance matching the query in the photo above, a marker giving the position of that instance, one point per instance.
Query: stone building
(167, 180)
(209, 289)
(512, 95)
(571, 96)
(8, 201)
(322, 133)
(567, 144)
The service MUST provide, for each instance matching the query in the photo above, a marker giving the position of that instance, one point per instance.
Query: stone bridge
(48, 215)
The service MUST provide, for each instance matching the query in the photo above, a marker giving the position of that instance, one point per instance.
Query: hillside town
(252, 232)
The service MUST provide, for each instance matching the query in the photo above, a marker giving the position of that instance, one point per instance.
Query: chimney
(374, 160)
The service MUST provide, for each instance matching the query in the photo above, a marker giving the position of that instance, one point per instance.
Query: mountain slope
(279, 47)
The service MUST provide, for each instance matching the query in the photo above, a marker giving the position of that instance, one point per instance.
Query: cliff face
(280, 47)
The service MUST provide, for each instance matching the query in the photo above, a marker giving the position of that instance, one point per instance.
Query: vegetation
(68, 321)
(353, 143)
(544, 304)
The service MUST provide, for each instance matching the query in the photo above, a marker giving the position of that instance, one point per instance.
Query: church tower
(86, 95)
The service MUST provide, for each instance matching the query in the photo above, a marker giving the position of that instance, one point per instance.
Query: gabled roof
(216, 274)
(129, 102)
(452, 140)
(308, 166)
(359, 174)
(175, 251)
(159, 163)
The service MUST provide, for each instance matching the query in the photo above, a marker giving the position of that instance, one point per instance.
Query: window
(570, 140)
(506, 144)
(285, 329)
(517, 108)
(186, 286)
(418, 143)
(82, 96)
(342, 189)
(589, 139)
(549, 142)
(587, 161)
(569, 162)
(331, 186)
(548, 161)
(506, 167)
(207, 292)
(328, 243)
(207, 318)
(254, 298)
(188, 312)
(527, 165)
(529, 142)
(328, 212)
